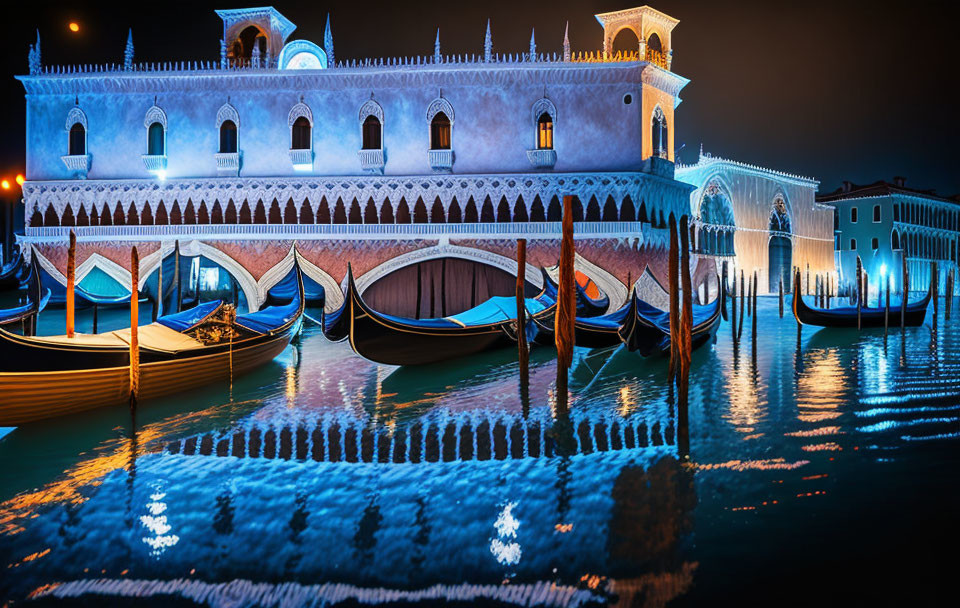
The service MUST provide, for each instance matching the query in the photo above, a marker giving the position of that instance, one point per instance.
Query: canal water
(823, 470)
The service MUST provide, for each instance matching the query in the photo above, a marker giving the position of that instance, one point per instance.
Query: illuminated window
(372, 133)
(545, 132)
(78, 140)
(440, 132)
(156, 146)
(659, 133)
(228, 137)
(300, 134)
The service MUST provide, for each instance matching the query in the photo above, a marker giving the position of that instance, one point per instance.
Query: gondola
(50, 376)
(586, 306)
(638, 325)
(395, 340)
(846, 316)
(647, 329)
(26, 314)
(336, 324)
(11, 272)
(82, 298)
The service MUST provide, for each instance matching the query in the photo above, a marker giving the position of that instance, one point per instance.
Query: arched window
(156, 123)
(301, 134)
(658, 132)
(654, 44)
(78, 140)
(76, 132)
(156, 144)
(228, 137)
(545, 132)
(440, 132)
(895, 240)
(372, 130)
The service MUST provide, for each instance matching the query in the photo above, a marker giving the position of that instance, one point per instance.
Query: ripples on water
(823, 473)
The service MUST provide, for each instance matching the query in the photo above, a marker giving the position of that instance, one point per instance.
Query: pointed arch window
(440, 132)
(228, 151)
(300, 121)
(78, 140)
(440, 118)
(155, 160)
(300, 134)
(372, 133)
(76, 159)
(371, 152)
(658, 133)
(543, 154)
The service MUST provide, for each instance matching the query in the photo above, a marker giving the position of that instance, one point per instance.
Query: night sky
(830, 89)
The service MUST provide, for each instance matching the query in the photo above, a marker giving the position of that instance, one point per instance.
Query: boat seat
(107, 339)
(159, 337)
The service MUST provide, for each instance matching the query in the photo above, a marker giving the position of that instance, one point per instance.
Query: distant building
(883, 221)
(751, 218)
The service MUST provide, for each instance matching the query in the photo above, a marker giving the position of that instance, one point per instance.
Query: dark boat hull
(868, 317)
(394, 342)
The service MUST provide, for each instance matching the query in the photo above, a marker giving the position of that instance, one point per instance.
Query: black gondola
(37, 299)
(336, 324)
(401, 341)
(54, 375)
(647, 330)
(586, 306)
(846, 316)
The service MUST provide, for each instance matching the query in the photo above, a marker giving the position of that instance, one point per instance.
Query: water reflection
(324, 476)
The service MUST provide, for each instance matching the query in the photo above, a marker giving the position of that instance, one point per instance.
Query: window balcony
(156, 164)
(441, 161)
(78, 164)
(228, 163)
(302, 159)
(542, 158)
(371, 161)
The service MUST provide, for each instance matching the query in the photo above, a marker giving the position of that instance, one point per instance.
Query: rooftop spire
(488, 44)
(128, 52)
(436, 48)
(533, 44)
(33, 57)
(566, 43)
(328, 44)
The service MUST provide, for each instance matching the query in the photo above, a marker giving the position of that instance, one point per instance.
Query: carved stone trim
(155, 114)
(74, 116)
(299, 109)
(539, 107)
(228, 112)
(440, 105)
(371, 108)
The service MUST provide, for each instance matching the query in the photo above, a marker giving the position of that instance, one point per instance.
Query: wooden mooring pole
(673, 285)
(753, 329)
(949, 303)
(566, 308)
(733, 309)
(780, 296)
(521, 303)
(904, 293)
(134, 327)
(71, 282)
(744, 305)
(686, 341)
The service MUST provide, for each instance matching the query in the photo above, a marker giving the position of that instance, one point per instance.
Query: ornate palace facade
(384, 163)
(757, 219)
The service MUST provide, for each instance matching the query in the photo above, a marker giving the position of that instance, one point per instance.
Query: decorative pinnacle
(488, 44)
(128, 52)
(566, 42)
(436, 48)
(533, 44)
(328, 44)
